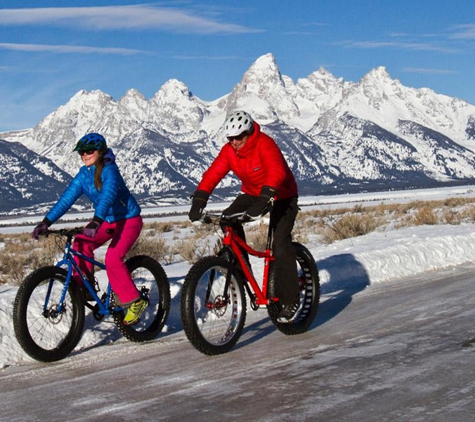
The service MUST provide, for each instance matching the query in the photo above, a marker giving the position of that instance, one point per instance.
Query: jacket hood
(109, 157)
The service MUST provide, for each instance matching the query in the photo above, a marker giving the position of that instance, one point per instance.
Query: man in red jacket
(267, 184)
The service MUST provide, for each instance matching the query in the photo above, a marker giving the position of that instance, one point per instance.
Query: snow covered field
(376, 258)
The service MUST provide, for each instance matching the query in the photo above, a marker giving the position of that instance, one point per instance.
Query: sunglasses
(237, 137)
(87, 152)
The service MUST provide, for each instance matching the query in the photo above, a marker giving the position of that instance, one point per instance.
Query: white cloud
(464, 31)
(77, 49)
(428, 71)
(121, 17)
(413, 46)
(184, 57)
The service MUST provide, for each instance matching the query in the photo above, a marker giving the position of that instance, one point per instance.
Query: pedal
(254, 305)
(96, 313)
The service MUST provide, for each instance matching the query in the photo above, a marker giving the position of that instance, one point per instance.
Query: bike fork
(212, 275)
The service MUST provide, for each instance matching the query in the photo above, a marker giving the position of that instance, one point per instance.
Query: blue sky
(49, 50)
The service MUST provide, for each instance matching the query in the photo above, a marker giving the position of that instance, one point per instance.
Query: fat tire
(47, 338)
(215, 331)
(309, 295)
(149, 275)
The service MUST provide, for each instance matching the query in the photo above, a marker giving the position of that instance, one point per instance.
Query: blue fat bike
(49, 308)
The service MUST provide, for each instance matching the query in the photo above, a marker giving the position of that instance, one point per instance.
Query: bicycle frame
(237, 245)
(103, 308)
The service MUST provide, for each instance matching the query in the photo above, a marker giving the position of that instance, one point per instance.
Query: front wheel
(309, 283)
(47, 328)
(213, 306)
(152, 283)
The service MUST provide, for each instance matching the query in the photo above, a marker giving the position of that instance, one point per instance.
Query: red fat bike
(213, 300)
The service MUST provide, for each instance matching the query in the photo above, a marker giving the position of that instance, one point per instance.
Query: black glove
(41, 228)
(198, 204)
(91, 228)
(262, 204)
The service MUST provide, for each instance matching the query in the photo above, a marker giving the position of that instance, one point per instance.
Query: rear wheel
(46, 328)
(309, 283)
(212, 318)
(152, 283)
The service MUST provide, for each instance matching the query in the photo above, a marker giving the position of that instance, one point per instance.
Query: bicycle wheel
(43, 332)
(212, 319)
(309, 295)
(152, 283)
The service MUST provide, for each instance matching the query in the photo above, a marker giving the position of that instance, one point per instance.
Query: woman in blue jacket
(116, 218)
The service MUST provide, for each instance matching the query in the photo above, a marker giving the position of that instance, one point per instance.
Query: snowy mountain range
(337, 136)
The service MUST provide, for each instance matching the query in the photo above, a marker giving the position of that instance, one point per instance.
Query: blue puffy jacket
(112, 203)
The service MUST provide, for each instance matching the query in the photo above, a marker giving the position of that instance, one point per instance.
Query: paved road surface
(386, 353)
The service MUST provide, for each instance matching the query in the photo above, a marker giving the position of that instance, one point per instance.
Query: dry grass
(171, 242)
(21, 254)
(155, 246)
(425, 216)
(343, 223)
(347, 226)
(256, 236)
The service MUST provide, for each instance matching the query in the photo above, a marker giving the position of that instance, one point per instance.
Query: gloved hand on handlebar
(91, 228)
(262, 204)
(41, 228)
(198, 204)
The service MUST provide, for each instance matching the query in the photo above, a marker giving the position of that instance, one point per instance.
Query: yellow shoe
(134, 312)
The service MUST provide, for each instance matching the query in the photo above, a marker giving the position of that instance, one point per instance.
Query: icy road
(378, 353)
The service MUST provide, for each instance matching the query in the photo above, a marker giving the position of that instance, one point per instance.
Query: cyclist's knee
(113, 258)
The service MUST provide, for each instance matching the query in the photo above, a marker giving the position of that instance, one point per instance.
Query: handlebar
(213, 217)
(68, 232)
(209, 217)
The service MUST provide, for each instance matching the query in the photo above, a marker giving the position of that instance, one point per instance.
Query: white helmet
(238, 122)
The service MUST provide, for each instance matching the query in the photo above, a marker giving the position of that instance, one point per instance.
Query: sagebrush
(170, 242)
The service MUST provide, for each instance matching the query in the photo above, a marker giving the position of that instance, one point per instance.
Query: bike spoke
(213, 319)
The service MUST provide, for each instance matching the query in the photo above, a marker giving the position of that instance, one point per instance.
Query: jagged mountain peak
(385, 101)
(377, 83)
(264, 92)
(132, 102)
(133, 93)
(266, 61)
(263, 70)
(83, 96)
(379, 73)
(172, 89)
(322, 74)
(320, 82)
(82, 105)
(175, 109)
(371, 132)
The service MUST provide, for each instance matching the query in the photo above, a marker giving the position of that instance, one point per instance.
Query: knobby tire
(309, 295)
(151, 280)
(214, 326)
(46, 335)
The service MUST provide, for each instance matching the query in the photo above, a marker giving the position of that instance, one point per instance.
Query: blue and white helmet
(238, 122)
(91, 141)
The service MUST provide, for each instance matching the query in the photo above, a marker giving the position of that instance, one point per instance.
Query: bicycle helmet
(91, 141)
(237, 123)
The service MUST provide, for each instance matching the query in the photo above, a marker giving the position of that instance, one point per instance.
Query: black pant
(282, 219)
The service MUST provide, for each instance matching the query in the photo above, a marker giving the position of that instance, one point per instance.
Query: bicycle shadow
(341, 277)
(173, 323)
(106, 332)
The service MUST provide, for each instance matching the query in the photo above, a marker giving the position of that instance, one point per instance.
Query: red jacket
(258, 163)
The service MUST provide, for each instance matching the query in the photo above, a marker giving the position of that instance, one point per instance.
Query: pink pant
(123, 233)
